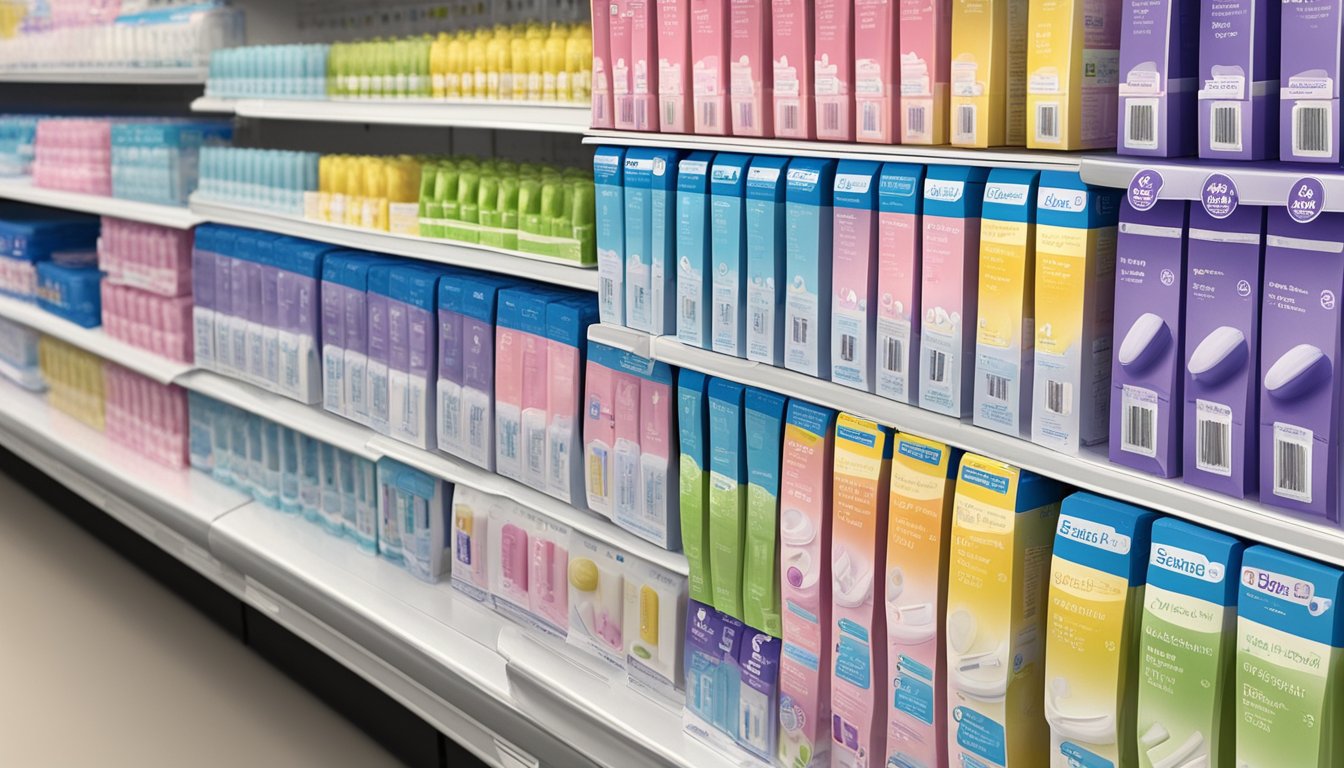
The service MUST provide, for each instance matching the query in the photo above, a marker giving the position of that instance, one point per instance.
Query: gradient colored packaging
(596, 599)
(1309, 73)
(693, 250)
(608, 167)
(728, 251)
(693, 429)
(411, 386)
(1159, 61)
(203, 256)
(750, 68)
(1003, 525)
(765, 213)
(854, 272)
(1299, 364)
(858, 533)
(1146, 368)
(448, 426)
(900, 197)
(650, 239)
(1006, 332)
(380, 282)
(567, 333)
(809, 223)
(876, 79)
(333, 332)
(923, 476)
(805, 585)
(622, 61)
(727, 494)
(953, 198)
(792, 48)
(658, 464)
(642, 111)
(833, 69)
(223, 281)
(1186, 647)
(763, 427)
(354, 382)
(603, 114)
(1097, 578)
(758, 725)
(1075, 301)
(1238, 79)
(520, 381)
(926, 64)
(709, 65)
(989, 73)
(300, 315)
(1290, 658)
(1073, 68)
(655, 612)
(479, 305)
(707, 699)
(1220, 435)
(674, 65)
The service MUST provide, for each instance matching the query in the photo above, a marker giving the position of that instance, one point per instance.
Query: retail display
(19, 355)
(161, 324)
(151, 258)
(32, 235)
(18, 134)
(70, 291)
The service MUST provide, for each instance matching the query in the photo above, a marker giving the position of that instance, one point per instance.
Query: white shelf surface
(1258, 183)
(22, 189)
(1001, 157)
(93, 340)
(481, 257)
(107, 75)
(551, 117)
(1091, 470)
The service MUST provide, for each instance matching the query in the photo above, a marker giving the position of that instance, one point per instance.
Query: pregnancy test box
(1159, 60)
(709, 65)
(1238, 79)
(792, 50)
(1073, 59)
(674, 65)
(694, 276)
(750, 68)
(650, 227)
(833, 69)
(925, 69)
(728, 252)
(989, 66)
(608, 168)
(1309, 71)
(876, 50)
(900, 201)
(641, 112)
(603, 116)
(765, 208)
(854, 272)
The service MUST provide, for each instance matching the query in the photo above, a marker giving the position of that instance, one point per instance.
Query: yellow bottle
(492, 43)
(518, 60)
(476, 66)
(375, 194)
(438, 65)
(324, 173)
(579, 64)
(503, 61)
(536, 54)
(456, 57)
(553, 62)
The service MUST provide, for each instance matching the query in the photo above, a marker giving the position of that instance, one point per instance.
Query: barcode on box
(709, 114)
(608, 291)
(1058, 397)
(746, 115)
(915, 115)
(1213, 438)
(725, 312)
(800, 330)
(830, 117)
(893, 356)
(937, 366)
(1311, 130)
(758, 317)
(996, 387)
(787, 115)
(690, 309)
(1047, 122)
(965, 123)
(1138, 432)
(641, 114)
(870, 119)
(1292, 462)
(1141, 124)
(627, 113)
(669, 113)
(1225, 126)
(848, 344)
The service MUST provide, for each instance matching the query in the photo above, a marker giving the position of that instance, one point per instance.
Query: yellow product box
(989, 73)
(1073, 74)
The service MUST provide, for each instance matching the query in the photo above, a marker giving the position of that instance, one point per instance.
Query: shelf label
(1219, 196)
(1143, 189)
(1306, 200)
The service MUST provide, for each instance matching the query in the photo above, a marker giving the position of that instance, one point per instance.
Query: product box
(603, 113)
(596, 598)
(1299, 359)
(655, 612)
(1238, 79)
(469, 539)
(1186, 647)
(1309, 71)
(706, 700)
(520, 383)
(989, 73)
(953, 198)
(1159, 60)
(203, 254)
(1075, 300)
(608, 169)
(833, 69)
(674, 65)
(1147, 382)
(411, 390)
(650, 239)
(528, 563)
(333, 328)
(876, 74)
(727, 494)
(859, 531)
(925, 69)
(479, 307)
(622, 62)
(1003, 525)
(709, 65)
(792, 48)
(376, 375)
(1073, 57)
(693, 250)
(693, 486)
(1222, 349)
(750, 68)
(763, 427)
(354, 392)
(923, 477)
(1005, 333)
(758, 722)
(1097, 578)
(854, 273)
(805, 585)
(641, 110)
(567, 324)
(809, 223)
(1290, 650)
(765, 215)
(728, 253)
(421, 505)
(900, 198)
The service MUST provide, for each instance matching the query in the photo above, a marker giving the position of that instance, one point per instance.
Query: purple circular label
(1143, 189)
(1220, 196)
(1306, 200)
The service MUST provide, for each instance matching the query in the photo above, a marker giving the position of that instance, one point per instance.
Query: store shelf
(459, 113)
(443, 252)
(1003, 157)
(149, 213)
(1257, 183)
(93, 340)
(1090, 470)
(107, 75)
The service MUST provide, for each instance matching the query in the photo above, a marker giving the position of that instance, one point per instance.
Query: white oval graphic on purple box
(1220, 196)
(1143, 189)
(1306, 200)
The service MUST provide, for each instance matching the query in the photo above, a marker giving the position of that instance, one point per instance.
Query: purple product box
(203, 296)
(1159, 61)
(1300, 350)
(1238, 79)
(1146, 375)
(270, 317)
(1309, 81)
(412, 360)
(449, 436)
(355, 396)
(479, 307)
(299, 315)
(333, 332)
(376, 305)
(1222, 336)
(758, 663)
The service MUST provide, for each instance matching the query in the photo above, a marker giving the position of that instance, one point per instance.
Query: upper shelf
(549, 117)
(1006, 157)
(107, 75)
(1256, 183)
(22, 189)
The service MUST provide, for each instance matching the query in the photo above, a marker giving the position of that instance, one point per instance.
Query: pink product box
(876, 75)
(145, 416)
(751, 68)
(18, 277)
(791, 49)
(639, 111)
(155, 259)
(833, 69)
(709, 66)
(74, 155)
(674, 65)
(160, 324)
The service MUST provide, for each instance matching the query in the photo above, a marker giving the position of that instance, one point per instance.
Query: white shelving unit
(107, 76)
(149, 213)
(1090, 470)
(460, 113)
(481, 257)
(1262, 183)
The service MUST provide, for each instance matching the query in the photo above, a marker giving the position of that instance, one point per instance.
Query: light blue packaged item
(765, 209)
(650, 224)
(221, 448)
(727, 494)
(201, 431)
(269, 491)
(417, 505)
(156, 161)
(763, 422)
(331, 514)
(608, 165)
(256, 457)
(809, 222)
(310, 479)
(73, 293)
(728, 250)
(704, 629)
(290, 476)
(365, 531)
(693, 249)
(346, 488)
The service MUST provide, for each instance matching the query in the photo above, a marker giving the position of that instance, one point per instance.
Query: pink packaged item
(74, 155)
(156, 259)
(876, 79)
(791, 49)
(833, 70)
(602, 86)
(159, 324)
(709, 65)
(643, 101)
(925, 70)
(751, 68)
(145, 416)
(622, 63)
(674, 66)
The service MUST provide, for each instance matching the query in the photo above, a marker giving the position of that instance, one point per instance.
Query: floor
(103, 666)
